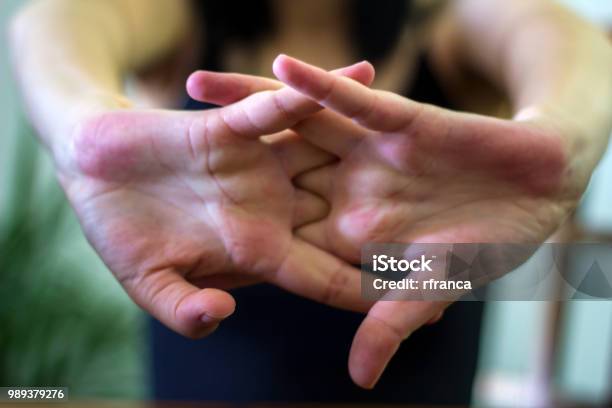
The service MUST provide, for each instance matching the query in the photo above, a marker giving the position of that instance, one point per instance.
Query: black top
(376, 29)
(280, 347)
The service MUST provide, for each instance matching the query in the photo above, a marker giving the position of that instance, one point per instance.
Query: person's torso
(327, 33)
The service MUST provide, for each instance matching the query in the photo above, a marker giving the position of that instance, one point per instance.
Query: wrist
(63, 135)
(583, 139)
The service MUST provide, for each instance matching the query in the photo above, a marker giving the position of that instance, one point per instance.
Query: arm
(477, 179)
(174, 202)
(71, 56)
(554, 67)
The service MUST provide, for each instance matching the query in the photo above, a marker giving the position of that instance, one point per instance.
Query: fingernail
(207, 319)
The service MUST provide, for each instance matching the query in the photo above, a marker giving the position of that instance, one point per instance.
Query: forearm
(71, 56)
(551, 64)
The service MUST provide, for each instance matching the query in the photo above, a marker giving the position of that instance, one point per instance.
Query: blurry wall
(513, 353)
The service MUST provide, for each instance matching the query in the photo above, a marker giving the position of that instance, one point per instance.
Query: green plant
(63, 320)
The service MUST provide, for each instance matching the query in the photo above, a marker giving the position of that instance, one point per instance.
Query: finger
(319, 181)
(221, 88)
(331, 132)
(387, 324)
(317, 275)
(315, 234)
(436, 318)
(183, 307)
(266, 112)
(260, 114)
(296, 154)
(376, 110)
(308, 208)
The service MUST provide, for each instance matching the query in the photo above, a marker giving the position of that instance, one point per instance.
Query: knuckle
(335, 286)
(197, 138)
(280, 106)
(327, 91)
(396, 333)
(420, 113)
(364, 112)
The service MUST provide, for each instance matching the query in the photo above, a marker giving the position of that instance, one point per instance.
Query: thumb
(183, 307)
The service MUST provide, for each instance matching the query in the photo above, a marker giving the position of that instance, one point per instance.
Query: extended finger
(296, 154)
(221, 88)
(331, 132)
(266, 112)
(317, 275)
(376, 110)
(379, 336)
(183, 307)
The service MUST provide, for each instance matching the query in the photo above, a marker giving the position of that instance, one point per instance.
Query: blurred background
(65, 321)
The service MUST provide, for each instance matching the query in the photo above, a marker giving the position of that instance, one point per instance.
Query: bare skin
(409, 172)
(180, 205)
(552, 66)
(433, 176)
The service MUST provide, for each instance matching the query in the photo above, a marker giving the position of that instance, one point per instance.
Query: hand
(417, 173)
(179, 201)
(414, 173)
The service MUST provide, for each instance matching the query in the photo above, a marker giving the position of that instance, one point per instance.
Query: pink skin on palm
(178, 203)
(411, 172)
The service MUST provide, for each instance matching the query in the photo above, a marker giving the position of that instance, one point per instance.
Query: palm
(176, 201)
(415, 173)
(183, 211)
(420, 185)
